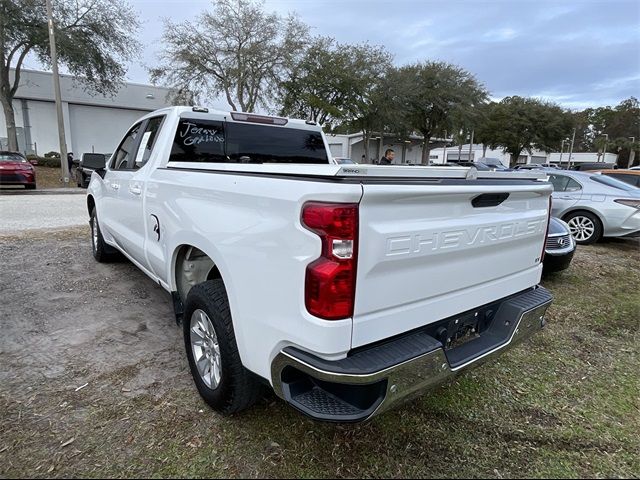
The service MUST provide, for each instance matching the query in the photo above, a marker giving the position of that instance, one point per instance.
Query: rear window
(612, 182)
(230, 142)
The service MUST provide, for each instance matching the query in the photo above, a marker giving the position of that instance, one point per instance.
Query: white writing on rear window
(191, 134)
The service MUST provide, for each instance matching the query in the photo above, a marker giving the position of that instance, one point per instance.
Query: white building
(410, 151)
(93, 123)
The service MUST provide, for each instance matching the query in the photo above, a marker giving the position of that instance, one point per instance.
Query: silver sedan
(595, 205)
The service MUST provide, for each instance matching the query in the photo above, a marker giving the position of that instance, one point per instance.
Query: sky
(578, 53)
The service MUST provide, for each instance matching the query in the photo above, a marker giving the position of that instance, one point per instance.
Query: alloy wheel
(206, 349)
(582, 228)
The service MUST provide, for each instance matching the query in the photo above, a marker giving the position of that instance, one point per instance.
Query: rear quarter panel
(250, 227)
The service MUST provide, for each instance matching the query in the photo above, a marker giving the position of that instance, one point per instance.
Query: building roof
(37, 85)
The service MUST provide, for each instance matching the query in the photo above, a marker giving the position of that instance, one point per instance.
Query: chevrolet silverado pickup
(345, 288)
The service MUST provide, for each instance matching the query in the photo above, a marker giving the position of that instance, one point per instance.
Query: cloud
(500, 34)
(575, 52)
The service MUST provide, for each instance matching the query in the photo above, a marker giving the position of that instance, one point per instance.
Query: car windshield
(11, 157)
(612, 182)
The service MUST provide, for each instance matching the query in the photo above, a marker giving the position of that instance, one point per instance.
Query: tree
(94, 39)
(482, 134)
(438, 97)
(518, 124)
(379, 110)
(620, 123)
(237, 50)
(332, 79)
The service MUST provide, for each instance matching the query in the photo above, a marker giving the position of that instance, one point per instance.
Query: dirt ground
(94, 383)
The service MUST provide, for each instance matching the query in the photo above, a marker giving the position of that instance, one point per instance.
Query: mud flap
(178, 307)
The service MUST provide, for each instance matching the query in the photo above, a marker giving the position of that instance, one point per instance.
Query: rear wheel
(585, 227)
(211, 347)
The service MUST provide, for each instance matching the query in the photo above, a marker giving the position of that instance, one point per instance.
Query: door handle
(135, 189)
(115, 186)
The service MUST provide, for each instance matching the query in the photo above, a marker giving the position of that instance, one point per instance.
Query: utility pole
(471, 145)
(632, 152)
(445, 146)
(573, 139)
(56, 87)
(562, 150)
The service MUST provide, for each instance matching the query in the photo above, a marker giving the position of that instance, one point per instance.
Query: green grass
(565, 404)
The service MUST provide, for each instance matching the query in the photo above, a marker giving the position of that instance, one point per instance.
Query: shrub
(45, 161)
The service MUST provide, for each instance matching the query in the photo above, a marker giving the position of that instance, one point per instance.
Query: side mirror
(94, 161)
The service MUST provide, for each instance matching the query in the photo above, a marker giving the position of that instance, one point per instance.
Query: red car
(15, 169)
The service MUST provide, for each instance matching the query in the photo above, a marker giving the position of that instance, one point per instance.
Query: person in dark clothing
(70, 161)
(389, 155)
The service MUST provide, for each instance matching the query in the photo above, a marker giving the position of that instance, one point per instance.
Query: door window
(147, 142)
(124, 153)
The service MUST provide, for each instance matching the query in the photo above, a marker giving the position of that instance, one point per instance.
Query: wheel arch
(193, 263)
(584, 209)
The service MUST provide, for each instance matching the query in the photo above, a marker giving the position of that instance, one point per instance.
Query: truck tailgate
(430, 250)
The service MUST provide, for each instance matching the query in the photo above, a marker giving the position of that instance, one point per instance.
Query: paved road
(19, 213)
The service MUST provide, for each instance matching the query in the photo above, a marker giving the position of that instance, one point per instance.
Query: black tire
(102, 252)
(31, 186)
(582, 217)
(238, 389)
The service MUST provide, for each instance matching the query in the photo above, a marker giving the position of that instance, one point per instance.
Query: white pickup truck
(344, 288)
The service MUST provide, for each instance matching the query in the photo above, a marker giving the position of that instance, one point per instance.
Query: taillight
(330, 283)
(628, 202)
(546, 232)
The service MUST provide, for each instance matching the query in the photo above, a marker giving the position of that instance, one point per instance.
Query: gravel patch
(21, 213)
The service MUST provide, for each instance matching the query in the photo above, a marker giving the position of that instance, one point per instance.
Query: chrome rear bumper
(372, 380)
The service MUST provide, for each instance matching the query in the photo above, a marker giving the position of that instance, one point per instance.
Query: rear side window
(230, 142)
(562, 183)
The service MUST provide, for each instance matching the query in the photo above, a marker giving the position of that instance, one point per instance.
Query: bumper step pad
(371, 379)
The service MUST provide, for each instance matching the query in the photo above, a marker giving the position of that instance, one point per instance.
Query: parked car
(83, 172)
(493, 163)
(346, 290)
(589, 166)
(537, 166)
(632, 177)
(635, 168)
(15, 169)
(560, 246)
(595, 205)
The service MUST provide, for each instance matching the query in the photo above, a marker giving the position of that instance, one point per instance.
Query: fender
(177, 240)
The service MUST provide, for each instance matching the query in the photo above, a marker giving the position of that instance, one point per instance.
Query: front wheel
(212, 351)
(585, 227)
